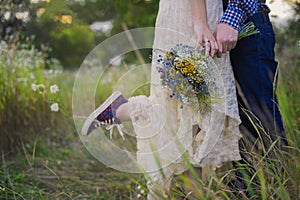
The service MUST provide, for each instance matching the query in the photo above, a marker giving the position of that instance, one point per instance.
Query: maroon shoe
(105, 115)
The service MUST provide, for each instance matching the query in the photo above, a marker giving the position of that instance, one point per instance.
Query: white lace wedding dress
(164, 129)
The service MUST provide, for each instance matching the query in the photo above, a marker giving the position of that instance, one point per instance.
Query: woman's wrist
(202, 24)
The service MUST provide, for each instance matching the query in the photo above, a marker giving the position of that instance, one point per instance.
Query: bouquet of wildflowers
(187, 72)
(184, 71)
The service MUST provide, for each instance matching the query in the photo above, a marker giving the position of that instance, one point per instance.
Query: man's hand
(226, 37)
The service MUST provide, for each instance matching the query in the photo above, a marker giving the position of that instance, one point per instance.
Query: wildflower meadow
(43, 43)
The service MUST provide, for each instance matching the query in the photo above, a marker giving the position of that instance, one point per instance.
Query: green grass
(51, 162)
(61, 172)
(54, 164)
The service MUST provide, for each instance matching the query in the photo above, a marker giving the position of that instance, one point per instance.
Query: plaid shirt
(238, 11)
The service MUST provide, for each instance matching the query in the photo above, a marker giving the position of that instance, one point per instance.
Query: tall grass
(265, 176)
(24, 114)
(271, 174)
(24, 110)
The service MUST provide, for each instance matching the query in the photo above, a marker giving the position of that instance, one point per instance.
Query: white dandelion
(34, 87)
(24, 16)
(34, 1)
(54, 89)
(54, 107)
(7, 15)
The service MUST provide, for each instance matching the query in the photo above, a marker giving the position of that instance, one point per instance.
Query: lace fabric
(164, 129)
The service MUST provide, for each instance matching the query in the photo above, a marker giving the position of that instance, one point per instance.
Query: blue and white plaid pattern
(238, 11)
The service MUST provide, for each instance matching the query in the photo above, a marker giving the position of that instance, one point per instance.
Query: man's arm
(238, 11)
(234, 16)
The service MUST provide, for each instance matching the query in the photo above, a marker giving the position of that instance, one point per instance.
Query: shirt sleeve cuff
(233, 16)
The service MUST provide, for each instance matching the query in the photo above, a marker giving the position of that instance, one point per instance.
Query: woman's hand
(205, 38)
(204, 35)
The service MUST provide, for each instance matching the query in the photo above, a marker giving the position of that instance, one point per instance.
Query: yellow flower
(40, 11)
(66, 19)
(183, 70)
(168, 55)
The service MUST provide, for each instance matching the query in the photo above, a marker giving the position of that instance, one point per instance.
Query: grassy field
(61, 172)
(52, 163)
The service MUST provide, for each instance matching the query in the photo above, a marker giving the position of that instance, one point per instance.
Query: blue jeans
(254, 68)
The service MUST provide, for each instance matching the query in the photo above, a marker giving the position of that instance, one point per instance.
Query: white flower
(54, 89)
(142, 191)
(54, 107)
(34, 1)
(32, 76)
(7, 15)
(33, 87)
(139, 196)
(24, 16)
(138, 187)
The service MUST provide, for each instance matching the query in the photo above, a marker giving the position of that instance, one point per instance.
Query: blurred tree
(93, 11)
(57, 26)
(72, 44)
(89, 11)
(135, 13)
(49, 15)
(52, 21)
